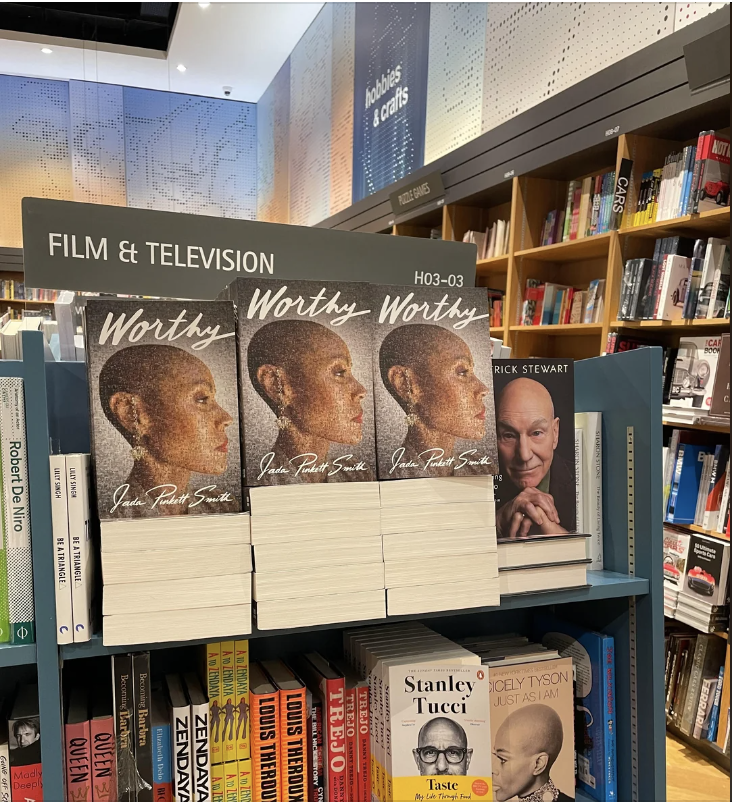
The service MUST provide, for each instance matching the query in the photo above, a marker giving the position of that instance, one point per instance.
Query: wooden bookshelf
(713, 222)
(561, 329)
(496, 265)
(25, 301)
(577, 250)
(717, 323)
(713, 428)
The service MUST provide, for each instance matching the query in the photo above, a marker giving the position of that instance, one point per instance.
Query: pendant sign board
(427, 189)
(88, 247)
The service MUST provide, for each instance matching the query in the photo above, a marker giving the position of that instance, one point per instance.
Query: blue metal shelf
(17, 655)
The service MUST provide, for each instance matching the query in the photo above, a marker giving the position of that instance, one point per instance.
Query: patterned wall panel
(190, 154)
(273, 139)
(34, 148)
(310, 121)
(686, 13)
(97, 142)
(455, 82)
(341, 136)
(567, 43)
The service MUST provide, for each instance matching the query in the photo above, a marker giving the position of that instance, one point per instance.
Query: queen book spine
(61, 549)
(78, 762)
(103, 759)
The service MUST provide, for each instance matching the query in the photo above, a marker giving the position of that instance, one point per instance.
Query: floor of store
(691, 777)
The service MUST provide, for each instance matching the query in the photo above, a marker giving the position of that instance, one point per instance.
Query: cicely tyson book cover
(164, 409)
(306, 388)
(535, 489)
(433, 382)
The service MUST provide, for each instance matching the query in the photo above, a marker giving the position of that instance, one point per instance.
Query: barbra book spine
(228, 701)
(265, 749)
(123, 700)
(103, 759)
(241, 680)
(215, 713)
(364, 743)
(78, 762)
(82, 554)
(16, 511)
(61, 550)
(143, 746)
(351, 745)
(293, 744)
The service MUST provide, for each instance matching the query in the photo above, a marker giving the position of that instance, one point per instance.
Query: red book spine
(351, 745)
(705, 148)
(574, 226)
(334, 695)
(539, 305)
(78, 762)
(103, 760)
(26, 783)
(364, 744)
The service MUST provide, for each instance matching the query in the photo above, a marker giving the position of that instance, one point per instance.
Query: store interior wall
(370, 93)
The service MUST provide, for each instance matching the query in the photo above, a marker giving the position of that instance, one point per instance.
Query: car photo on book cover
(164, 411)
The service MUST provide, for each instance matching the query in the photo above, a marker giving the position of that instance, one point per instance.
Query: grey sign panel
(94, 248)
(427, 189)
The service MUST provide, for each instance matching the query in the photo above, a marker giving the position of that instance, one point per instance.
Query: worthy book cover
(535, 489)
(305, 383)
(164, 410)
(433, 382)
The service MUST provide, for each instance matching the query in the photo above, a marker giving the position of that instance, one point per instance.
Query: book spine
(265, 751)
(4, 773)
(694, 175)
(217, 783)
(245, 781)
(241, 680)
(364, 744)
(162, 764)
(351, 745)
(103, 760)
(568, 211)
(123, 729)
(228, 700)
(17, 511)
(335, 731)
(180, 727)
(143, 747)
(609, 720)
(714, 494)
(622, 186)
(705, 147)
(714, 715)
(200, 752)
(594, 491)
(688, 714)
(26, 781)
(704, 708)
(78, 762)
(213, 684)
(61, 550)
(77, 484)
(231, 781)
(293, 744)
(317, 782)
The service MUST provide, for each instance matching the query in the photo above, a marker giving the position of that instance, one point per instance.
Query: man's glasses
(453, 754)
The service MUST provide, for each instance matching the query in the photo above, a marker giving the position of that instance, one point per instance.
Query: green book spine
(4, 608)
(16, 511)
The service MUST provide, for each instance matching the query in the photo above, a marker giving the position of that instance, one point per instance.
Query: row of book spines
(17, 291)
(553, 304)
(496, 303)
(227, 678)
(712, 503)
(232, 782)
(91, 760)
(588, 211)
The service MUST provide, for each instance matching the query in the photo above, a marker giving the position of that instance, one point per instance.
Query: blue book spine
(689, 169)
(714, 715)
(682, 504)
(608, 722)
(603, 205)
(557, 307)
(162, 758)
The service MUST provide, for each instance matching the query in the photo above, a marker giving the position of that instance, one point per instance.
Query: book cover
(591, 521)
(433, 383)
(103, 749)
(181, 738)
(142, 743)
(707, 570)
(707, 658)
(715, 488)
(164, 410)
(532, 730)
(78, 475)
(675, 552)
(439, 718)
(720, 285)
(16, 511)
(694, 373)
(77, 735)
(215, 707)
(241, 681)
(228, 701)
(720, 393)
(704, 710)
(685, 484)
(266, 770)
(593, 654)
(715, 263)
(714, 174)
(162, 757)
(5, 786)
(199, 738)
(305, 380)
(124, 705)
(535, 486)
(24, 746)
(61, 550)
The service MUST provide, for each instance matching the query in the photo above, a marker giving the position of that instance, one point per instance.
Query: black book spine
(622, 186)
(317, 744)
(143, 742)
(124, 705)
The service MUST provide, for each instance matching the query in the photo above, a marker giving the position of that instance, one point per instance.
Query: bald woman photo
(442, 748)
(536, 497)
(525, 749)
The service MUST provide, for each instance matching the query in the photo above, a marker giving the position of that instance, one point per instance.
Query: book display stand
(624, 600)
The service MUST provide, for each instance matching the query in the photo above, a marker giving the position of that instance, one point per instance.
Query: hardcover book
(535, 486)
(694, 372)
(707, 570)
(675, 551)
(720, 393)
(305, 381)
(24, 742)
(163, 402)
(433, 383)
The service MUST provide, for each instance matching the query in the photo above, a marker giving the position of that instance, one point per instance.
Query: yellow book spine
(228, 700)
(217, 783)
(231, 782)
(245, 780)
(241, 682)
(215, 711)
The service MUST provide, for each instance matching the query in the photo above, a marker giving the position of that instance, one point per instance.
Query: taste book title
(305, 381)
(164, 408)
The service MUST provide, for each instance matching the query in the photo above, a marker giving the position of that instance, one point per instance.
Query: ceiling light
(46, 50)
(181, 68)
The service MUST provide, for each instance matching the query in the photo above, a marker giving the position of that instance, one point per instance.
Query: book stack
(588, 210)
(493, 242)
(446, 521)
(317, 554)
(495, 305)
(546, 303)
(675, 551)
(685, 279)
(703, 601)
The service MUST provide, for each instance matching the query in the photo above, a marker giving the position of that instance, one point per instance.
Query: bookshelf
(625, 599)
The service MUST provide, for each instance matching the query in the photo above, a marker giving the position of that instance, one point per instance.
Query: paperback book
(163, 401)
(305, 382)
(433, 383)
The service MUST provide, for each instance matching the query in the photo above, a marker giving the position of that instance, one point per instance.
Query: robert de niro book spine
(164, 412)
(433, 383)
(306, 389)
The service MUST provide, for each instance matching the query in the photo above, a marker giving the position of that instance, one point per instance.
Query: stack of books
(703, 600)
(317, 552)
(445, 521)
(675, 551)
(493, 242)
(546, 303)
(588, 211)
(496, 300)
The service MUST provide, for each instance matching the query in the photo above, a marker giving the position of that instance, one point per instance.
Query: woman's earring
(138, 451)
(283, 422)
(411, 417)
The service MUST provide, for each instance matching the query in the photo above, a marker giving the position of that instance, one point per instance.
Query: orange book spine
(293, 745)
(265, 714)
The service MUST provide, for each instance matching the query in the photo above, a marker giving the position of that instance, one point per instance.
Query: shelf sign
(427, 189)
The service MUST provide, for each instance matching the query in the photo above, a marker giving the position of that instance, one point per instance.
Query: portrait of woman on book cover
(165, 417)
(435, 401)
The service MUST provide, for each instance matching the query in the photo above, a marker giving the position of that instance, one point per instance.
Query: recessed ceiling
(238, 45)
